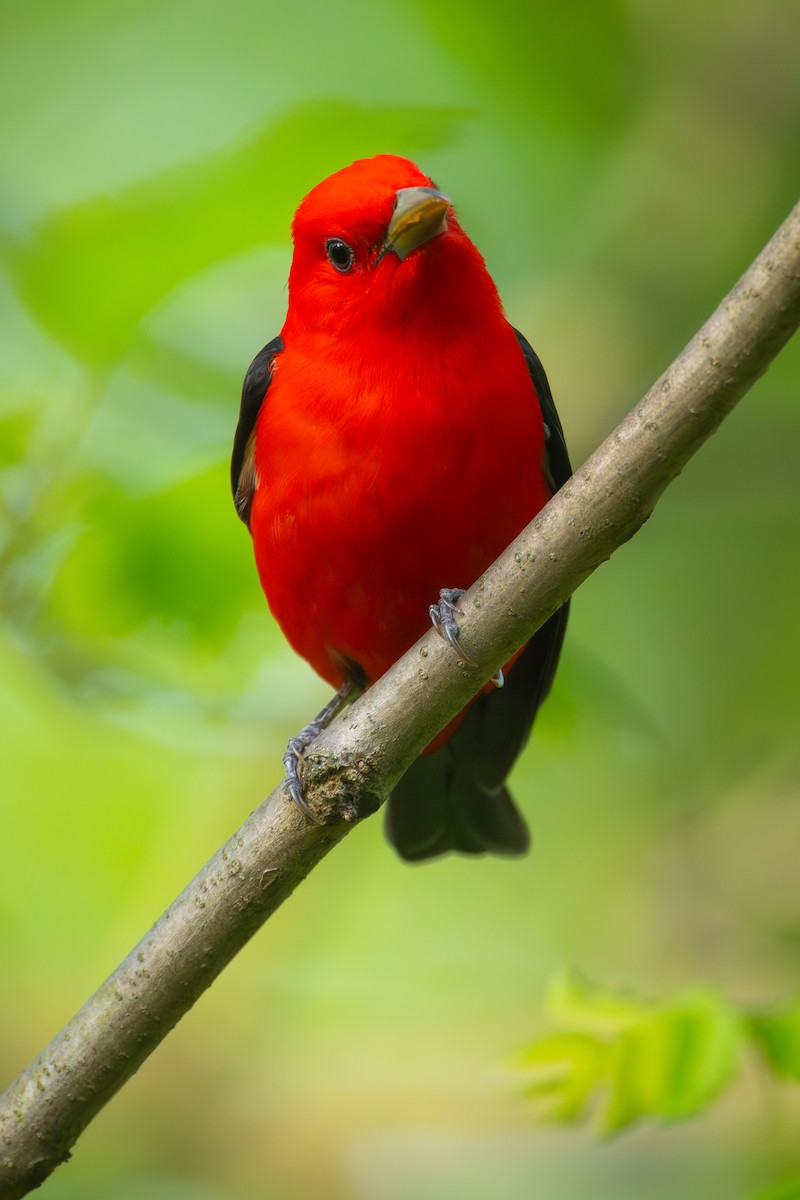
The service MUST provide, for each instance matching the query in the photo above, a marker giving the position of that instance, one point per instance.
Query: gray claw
(443, 616)
(296, 747)
(292, 760)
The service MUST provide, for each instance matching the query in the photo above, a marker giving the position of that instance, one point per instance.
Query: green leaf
(574, 1002)
(674, 1061)
(665, 1060)
(564, 1069)
(777, 1035)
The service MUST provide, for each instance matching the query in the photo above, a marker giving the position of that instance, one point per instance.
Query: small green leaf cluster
(628, 1058)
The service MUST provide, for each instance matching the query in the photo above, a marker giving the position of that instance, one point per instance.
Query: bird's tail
(456, 798)
(436, 808)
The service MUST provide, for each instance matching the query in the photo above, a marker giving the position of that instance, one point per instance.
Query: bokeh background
(619, 164)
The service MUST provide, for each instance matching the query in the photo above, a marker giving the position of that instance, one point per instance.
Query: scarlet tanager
(394, 438)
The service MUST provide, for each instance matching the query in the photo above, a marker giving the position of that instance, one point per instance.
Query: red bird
(394, 438)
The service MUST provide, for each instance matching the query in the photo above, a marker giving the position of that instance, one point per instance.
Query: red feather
(399, 448)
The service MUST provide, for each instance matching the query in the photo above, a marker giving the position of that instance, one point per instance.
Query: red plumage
(400, 444)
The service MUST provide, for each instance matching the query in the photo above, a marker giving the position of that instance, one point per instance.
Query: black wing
(559, 466)
(456, 798)
(254, 389)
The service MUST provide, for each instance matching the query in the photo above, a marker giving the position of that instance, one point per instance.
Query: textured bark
(353, 766)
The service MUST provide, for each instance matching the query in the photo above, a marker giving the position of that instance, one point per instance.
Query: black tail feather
(456, 798)
(435, 809)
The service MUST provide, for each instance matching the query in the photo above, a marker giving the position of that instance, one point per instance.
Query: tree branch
(353, 766)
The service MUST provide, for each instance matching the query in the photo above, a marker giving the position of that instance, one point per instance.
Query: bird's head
(378, 245)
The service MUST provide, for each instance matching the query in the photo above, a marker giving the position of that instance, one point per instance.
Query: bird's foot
(296, 747)
(292, 764)
(443, 616)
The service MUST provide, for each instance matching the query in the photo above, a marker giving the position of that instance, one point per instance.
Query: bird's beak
(420, 213)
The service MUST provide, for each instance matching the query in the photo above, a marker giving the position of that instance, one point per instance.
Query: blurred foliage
(161, 231)
(619, 164)
(637, 1059)
(782, 1191)
(778, 1035)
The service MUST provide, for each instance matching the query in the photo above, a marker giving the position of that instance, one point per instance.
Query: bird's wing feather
(254, 390)
(558, 464)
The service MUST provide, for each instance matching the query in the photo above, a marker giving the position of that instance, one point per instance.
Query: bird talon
(449, 598)
(292, 761)
(299, 799)
(296, 747)
(436, 619)
(444, 620)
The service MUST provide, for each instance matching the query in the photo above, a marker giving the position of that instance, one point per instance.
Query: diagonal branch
(352, 767)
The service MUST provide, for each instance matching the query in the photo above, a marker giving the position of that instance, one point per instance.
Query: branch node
(341, 790)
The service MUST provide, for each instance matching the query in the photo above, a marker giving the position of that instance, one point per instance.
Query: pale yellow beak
(420, 213)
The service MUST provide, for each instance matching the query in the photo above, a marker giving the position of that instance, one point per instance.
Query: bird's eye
(340, 255)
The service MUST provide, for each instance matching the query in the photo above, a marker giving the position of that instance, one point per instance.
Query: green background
(619, 164)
